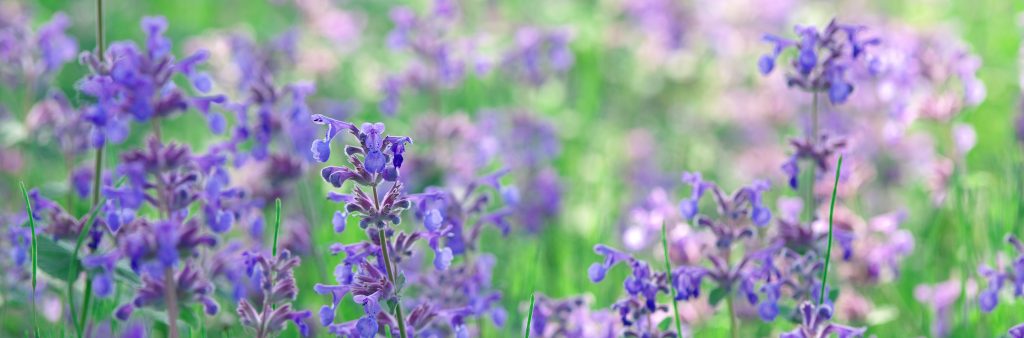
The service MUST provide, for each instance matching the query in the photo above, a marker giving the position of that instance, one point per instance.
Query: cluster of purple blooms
(1003, 277)
(133, 83)
(164, 208)
(30, 57)
(452, 224)
(823, 59)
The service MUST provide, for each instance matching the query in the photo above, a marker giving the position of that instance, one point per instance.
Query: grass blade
(32, 248)
(529, 317)
(828, 249)
(277, 225)
(387, 331)
(668, 270)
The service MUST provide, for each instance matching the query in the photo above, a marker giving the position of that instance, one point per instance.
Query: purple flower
(988, 298)
(278, 286)
(822, 58)
(1016, 331)
(138, 84)
(815, 323)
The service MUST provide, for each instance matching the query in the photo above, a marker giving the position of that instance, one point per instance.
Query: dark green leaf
(717, 295)
(55, 258)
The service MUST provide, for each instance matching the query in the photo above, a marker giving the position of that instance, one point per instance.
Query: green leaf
(833, 294)
(664, 324)
(56, 259)
(717, 295)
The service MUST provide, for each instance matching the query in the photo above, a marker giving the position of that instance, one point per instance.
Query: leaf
(717, 295)
(833, 294)
(56, 259)
(664, 324)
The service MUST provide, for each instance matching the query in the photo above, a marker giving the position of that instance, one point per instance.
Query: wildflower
(815, 323)
(278, 291)
(823, 58)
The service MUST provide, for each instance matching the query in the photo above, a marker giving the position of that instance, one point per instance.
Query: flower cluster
(133, 83)
(640, 312)
(274, 276)
(816, 323)
(376, 160)
(823, 58)
(1012, 276)
(30, 57)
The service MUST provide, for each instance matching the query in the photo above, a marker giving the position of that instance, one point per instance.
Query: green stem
(828, 249)
(277, 225)
(389, 268)
(97, 175)
(812, 139)
(668, 271)
(391, 277)
(34, 251)
(529, 318)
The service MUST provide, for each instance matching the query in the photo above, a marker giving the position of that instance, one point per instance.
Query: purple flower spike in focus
(823, 58)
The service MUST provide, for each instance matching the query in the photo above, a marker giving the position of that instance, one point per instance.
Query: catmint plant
(822, 62)
(639, 312)
(375, 162)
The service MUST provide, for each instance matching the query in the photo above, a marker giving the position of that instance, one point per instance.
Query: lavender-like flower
(377, 160)
(32, 58)
(639, 311)
(941, 298)
(1016, 331)
(1013, 276)
(823, 58)
(137, 83)
(274, 277)
(816, 323)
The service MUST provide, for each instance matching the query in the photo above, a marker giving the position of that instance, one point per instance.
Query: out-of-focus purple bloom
(278, 291)
(941, 298)
(191, 288)
(823, 58)
(1016, 331)
(1013, 275)
(538, 55)
(816, 323)
(138, 84)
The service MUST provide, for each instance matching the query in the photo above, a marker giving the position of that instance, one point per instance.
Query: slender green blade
(277, 225)
(828, 249)
(32, 248)
(529, 317)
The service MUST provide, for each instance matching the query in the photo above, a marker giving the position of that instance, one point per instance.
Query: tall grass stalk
(668, 272)
(34, 252)
(828, 249)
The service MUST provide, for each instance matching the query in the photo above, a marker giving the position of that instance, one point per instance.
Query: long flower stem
(812, 138)
(388, 267)
(828, 250)
(171, 299)
(391, 277)
(97, 178)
